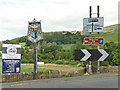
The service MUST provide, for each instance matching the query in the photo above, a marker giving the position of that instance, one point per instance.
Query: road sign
(34, 31)
(11, 51)
(93, 41)
(93, 24)
(92, 54)
(11, 65)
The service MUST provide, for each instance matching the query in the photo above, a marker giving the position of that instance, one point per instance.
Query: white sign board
(11, 51)
(98, 24)
(40, 63)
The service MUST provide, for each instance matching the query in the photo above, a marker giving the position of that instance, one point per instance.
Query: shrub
(104, 63)
(73, 63)
(59, 62)
(66, 62)
(81, 64)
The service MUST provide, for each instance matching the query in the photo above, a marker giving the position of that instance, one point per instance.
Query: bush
(59, 62)
(73, 63)
(66, 62)
(104, 63)
(81, 64)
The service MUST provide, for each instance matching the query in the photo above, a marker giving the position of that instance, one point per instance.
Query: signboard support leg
(90, 62)
(98, 63)
(35, 60)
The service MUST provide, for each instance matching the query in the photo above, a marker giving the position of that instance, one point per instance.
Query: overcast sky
(55, 15)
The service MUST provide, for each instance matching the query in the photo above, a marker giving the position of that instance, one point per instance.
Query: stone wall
(107, 69)
(51, 74)
(40, 75)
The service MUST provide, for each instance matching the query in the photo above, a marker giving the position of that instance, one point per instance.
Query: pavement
(107, 80)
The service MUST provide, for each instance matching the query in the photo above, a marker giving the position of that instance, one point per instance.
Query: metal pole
(98, 11)
(35, 60)
(98, 63)
(90, 11)
(90, 47)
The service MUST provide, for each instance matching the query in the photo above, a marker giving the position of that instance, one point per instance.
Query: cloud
(56, 15)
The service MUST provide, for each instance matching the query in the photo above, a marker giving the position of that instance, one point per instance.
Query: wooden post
(35, 60)
(39, 45)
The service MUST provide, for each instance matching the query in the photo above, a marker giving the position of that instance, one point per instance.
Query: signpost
(11, 58)
(92, 24)
(35, 35)
(93, 41)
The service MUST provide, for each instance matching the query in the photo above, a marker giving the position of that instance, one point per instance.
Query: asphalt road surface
(91, 81)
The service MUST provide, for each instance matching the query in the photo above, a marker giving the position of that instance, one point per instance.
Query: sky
(55, 15)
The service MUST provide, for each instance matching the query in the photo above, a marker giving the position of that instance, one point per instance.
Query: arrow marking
(104, 54)
(87, 55)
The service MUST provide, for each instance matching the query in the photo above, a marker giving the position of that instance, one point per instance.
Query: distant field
(31, 70)
(51, 67)
(47, 67)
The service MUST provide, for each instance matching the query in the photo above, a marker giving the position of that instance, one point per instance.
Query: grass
(31, 70)
(110, 36)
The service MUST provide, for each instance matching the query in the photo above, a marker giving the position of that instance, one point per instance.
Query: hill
(65, 37)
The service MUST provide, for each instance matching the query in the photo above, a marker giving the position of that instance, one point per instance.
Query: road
(91, 81)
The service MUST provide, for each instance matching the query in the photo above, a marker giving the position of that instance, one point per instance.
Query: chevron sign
(92, 54)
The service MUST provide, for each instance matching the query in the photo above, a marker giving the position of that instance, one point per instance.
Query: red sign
(93, 41)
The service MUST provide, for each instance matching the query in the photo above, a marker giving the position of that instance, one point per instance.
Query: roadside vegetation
(58, 47)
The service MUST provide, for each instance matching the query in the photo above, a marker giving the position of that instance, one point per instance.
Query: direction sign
(92, 54)
(93, 41)
(93, 24)
(11, 51)
(35, 31)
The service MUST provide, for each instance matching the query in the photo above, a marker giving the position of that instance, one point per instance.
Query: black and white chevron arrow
(92, 54)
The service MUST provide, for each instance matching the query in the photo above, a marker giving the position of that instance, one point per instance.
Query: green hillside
(65, 37)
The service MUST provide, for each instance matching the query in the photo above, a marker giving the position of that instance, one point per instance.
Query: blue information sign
(11, 65)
